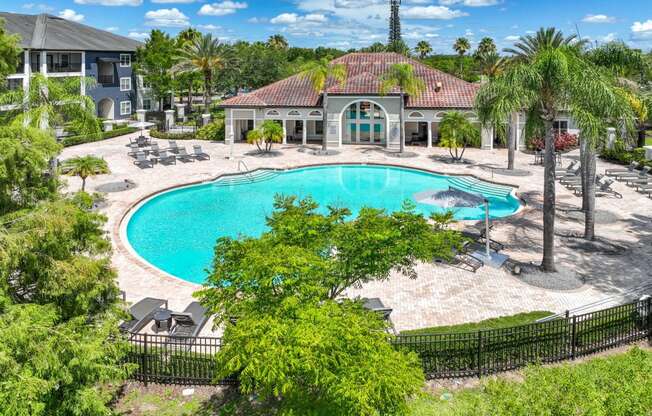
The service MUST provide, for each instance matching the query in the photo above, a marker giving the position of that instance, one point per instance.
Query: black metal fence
(164, 359)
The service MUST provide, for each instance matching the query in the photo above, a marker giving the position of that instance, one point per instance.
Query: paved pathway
(441, 295)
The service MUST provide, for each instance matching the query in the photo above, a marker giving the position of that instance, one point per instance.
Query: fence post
(648, 303)
(144, 366)
(573, 336)
(479, 354)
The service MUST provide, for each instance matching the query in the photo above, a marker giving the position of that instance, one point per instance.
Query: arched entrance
(364, 121)
(105, 109)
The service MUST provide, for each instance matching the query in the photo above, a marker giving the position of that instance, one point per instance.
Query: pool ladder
(247, 173)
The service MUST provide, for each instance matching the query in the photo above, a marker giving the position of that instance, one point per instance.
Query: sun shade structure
(450, 198)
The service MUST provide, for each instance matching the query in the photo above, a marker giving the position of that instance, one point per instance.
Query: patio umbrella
(456, 198)
(142, 125)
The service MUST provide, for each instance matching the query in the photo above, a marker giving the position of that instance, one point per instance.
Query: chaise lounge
(141, 313)
(199, 154)
(189, 323)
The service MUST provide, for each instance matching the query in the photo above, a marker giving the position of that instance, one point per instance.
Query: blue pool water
(176, 230)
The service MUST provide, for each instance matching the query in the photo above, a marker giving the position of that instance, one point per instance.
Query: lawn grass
(648, 138)
(616, 385)
(493, 323)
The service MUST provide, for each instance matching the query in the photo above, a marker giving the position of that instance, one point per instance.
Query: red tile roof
(363, 73)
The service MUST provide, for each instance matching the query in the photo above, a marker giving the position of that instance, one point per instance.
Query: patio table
(162, 320)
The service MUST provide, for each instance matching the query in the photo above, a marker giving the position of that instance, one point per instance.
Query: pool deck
(441, 294)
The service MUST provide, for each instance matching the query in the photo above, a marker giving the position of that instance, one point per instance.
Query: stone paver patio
(441, 295)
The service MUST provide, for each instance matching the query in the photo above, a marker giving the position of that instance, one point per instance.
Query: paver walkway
(441, 295)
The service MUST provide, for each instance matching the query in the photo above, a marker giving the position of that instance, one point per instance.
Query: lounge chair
(199, 154)
(644, 189)
(189, 323)
(166, 159)
(643, 177)
(154, 149)
(464, 260)
(376, 305)
(602, 188)
(183, 156)
(570, 168)
(571, 175)
(615, 171)
(172, 146)
(142, 160)
(479, 240)
(141, 313)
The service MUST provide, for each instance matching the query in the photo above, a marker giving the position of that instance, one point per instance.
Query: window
(272, 113)
(319, 127)
(315, 113)
(59, 62)
(415, 114)
(14, 83)
(125, 60)
(146, 84)
(147, 104)
(294, 113)
(560, 126)
(125, 84)
(125, 108)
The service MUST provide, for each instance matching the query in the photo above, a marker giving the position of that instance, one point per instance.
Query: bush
(621, 155)
(212, 131)
(187, 135)
(75, 140)
(563, 142)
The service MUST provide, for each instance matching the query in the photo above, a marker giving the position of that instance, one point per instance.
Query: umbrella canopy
(450, 198)
(142, 124)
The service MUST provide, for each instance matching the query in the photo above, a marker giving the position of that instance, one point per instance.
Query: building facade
(55, 47)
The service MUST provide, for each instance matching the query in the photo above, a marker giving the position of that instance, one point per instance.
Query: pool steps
(246, 178)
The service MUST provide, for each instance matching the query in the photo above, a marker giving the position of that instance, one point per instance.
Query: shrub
(621, 155)
(563, 142)
(75, 140)
(212, 131)
(187, 135)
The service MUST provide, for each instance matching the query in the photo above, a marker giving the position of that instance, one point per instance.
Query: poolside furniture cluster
(571, 178)
(639, 179)
(539, 157)
(475, 242)
(146, 153)
(186, 324)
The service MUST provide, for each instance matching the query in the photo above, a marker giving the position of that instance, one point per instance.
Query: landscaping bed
(75, 140)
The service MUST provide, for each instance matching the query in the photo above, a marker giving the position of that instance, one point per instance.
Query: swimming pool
(176, 230)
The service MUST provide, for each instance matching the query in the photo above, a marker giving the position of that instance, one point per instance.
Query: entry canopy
(108, 60)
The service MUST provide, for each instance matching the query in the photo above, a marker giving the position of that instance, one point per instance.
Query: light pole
(486, 227)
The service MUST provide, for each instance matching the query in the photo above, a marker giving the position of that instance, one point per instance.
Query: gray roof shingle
(44, 31)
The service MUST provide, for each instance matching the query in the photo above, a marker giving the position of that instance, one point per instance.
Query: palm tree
(548, 77)
(423, 48)
(268, 133)
(548, 38)
(319, 72)
(85, 166)
(184, 37)
(461, 46)
(51, 102)
(203, 54)
(487, 46)
(491, 64)
(457, 131)
(277, 42)
(401, 76)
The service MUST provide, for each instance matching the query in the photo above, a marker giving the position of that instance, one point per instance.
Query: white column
(169, 118)
(304, 140)
(285, 131)
(181, 111)
(44, 63)
(487, 138)
(27, 71)
(429, 144)
(108, 125)
(611, 137)
(140, 115)
(83, 73)
(206, 118)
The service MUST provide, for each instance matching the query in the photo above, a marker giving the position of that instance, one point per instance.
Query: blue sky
(356, 23)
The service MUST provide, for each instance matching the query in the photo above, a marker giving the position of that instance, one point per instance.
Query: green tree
(85, 166)
(423, 48)
(399, 46)
(153, 61)
(265, 135)
(461, 46)
(319, 72)
(545, 38)
(487, 46)
(202, 55)
(24, 162)
(190, 79)
(457, 131)
(547, 77)
(401, 77)
(9, 52)
(277, 42)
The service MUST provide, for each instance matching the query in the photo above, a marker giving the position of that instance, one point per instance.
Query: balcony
(106, 80)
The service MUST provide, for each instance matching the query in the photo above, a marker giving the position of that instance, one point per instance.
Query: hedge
(619, 155)
(188, 135)
(75, 140)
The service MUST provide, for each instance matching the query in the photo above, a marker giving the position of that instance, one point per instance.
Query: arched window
(315, 113)
(415, 114)
(272, 113)
(294, 113)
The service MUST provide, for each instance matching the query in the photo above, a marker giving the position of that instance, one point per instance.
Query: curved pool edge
(120, 230)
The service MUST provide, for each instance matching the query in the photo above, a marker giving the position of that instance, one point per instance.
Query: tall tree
(457, 131)
(153, 62)
(487, 46)
(277, 41)
(401, 76)
(461, 46)
(202, 55)
(319, 72)
(189, 79)
(9, 52)
(423, 48)
(394, 22)
(85, 166)
(548, 77)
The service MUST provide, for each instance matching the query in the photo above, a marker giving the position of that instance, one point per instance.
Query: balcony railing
(58, 68)
(106, 79)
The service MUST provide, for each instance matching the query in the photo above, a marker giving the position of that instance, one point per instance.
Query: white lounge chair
(142, 161)
(199, 154)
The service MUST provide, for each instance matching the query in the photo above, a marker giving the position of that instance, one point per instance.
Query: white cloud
(598, 18)
(292, 18)
(257, 20)
(512, 38)
(639, 27)
(72, 15)
(209, 27)
(173, 1)
(222, 9)
(432, 12)
(609, 37)
(166, 18)
(112, 29)
(111, 2)
(355, 4)
(315, 17)
(40, 7)
(138, 35)
(470, 3)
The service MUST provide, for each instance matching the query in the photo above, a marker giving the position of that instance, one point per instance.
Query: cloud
(257, 20)
(173, 1)
(111, 2)
(166, 18)
(292, 18)
(138, 35)
(469, 3)
(432, 12)
(209, 27)
(639, 27)
(355, 4)
(512, 38)
(71, 15)
(598, 18)
(610, 37)
(112, 29)
(40, 7)
(222, 9)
